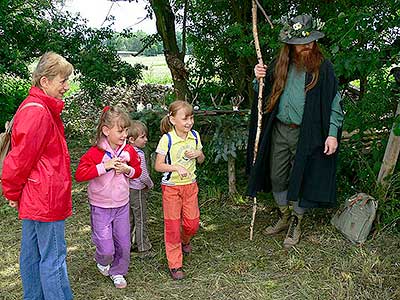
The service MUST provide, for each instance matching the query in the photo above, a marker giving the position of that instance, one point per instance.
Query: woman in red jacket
(36, 179)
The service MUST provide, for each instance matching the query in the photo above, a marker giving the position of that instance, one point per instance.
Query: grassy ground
(157, 71)
(224, 263)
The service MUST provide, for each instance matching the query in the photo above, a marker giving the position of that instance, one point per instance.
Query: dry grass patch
(224, 263)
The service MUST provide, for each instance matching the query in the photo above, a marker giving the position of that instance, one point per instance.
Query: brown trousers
(138, 217)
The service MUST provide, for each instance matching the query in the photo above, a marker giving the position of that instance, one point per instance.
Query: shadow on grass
(224, 263)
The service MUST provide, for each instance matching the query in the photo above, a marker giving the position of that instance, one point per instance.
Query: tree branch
(264, 13)
(108, 13)
(183, 53)
(151, 41)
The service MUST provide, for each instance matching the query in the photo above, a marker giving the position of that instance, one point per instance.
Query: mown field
(224, 264)
(157, 70)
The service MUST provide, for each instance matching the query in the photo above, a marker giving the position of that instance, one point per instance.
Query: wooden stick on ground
(259, 105)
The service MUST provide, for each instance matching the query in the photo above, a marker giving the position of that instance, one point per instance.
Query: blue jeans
(42, 261)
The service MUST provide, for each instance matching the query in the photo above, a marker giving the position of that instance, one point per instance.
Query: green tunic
(291, 104)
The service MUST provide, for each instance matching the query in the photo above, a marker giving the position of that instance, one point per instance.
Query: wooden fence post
(391, 155)
(232, 174)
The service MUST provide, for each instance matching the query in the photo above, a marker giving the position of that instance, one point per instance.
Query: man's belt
(293, 126)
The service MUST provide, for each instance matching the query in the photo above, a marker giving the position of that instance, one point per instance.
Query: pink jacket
(106, 188)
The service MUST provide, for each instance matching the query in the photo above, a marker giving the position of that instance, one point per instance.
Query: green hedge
(13, 91)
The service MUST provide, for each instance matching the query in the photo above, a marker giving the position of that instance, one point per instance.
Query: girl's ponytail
(166, 125)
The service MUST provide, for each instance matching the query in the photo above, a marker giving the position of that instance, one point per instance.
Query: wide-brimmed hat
(300, 30)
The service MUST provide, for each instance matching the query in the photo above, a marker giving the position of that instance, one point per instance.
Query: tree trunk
(165, 22)
(363, 86)
(232, 175)
(391, 155)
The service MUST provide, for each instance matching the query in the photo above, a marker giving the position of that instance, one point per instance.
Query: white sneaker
(119, 281)
(103, 269)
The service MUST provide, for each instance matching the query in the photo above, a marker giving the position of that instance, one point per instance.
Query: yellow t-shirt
(177, 156)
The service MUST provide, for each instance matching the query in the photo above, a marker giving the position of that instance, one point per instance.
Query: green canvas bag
(356, 218)
(5, 146)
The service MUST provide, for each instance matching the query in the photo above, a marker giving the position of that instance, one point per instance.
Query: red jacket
(36, 172)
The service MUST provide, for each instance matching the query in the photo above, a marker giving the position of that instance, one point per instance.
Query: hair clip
(169, 114)
(106, 108)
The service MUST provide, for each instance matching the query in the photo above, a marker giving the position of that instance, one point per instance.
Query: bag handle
(357, 199)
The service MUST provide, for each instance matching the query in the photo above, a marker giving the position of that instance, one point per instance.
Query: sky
(126, 14)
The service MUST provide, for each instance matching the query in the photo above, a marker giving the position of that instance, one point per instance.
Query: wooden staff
(260, 96)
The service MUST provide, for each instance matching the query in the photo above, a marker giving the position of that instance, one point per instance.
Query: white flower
(303, 33)
(297, 26)
(140, 106)
(319, 24)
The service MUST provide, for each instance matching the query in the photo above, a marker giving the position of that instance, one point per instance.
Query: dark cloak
(313, 177)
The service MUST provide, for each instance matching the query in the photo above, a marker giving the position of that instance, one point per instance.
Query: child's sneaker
(119, 281)
(177, 274)
(103, 269)
(186, 249)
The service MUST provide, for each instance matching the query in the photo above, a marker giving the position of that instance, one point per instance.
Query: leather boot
(294, 231)
(282, 223)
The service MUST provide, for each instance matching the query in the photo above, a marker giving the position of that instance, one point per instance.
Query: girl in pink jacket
(108, 165)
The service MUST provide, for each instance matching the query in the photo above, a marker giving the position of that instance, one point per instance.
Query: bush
(13, 91)
(361, 156)
(221, 136)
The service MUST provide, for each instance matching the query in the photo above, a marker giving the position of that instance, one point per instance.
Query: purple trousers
(111, 236)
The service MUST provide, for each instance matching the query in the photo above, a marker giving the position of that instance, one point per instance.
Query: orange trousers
(181, 219)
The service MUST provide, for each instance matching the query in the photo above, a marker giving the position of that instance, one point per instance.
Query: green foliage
(13, 90)
(361, 156)
(358, 170)
(389, 212)
(221, 135)
(152, 120)
(23, 32)
(222, 46)
(30, 28)
(361, 37)
(90, 51)
(147, 44)
(224, 140)
(396, 128)
(153, 77)
(376, 109)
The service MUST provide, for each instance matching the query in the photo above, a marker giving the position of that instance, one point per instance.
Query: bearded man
(301, 129)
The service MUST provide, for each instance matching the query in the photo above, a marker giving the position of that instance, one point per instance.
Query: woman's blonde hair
(136, 129)
(166, 125)
(110, 116)
(50, 65)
